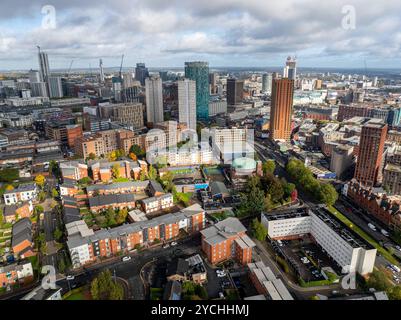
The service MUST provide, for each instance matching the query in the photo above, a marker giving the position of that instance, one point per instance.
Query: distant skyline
(226, 33)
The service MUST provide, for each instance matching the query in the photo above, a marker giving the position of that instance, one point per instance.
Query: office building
(199, 72)
(187, 103)
(281, 109)
(141, 73)
(370, 155)
(154, 100)
(290, 69)
(235, 91)
(267, 79)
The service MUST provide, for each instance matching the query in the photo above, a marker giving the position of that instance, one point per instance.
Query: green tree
(9, 175)
(115, 171)
(268, 167)
(55, 193)
(61, 265)
(288, 188)
(152, 173)
(42, 196)
(258, 230)
(58, 234)
(38, 209)
(91, 156)
(137, 150)
(395, 293)
(328, 194)
(103, 287)
(122, 215)
(378, 280)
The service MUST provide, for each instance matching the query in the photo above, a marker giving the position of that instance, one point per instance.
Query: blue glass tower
(199, 72)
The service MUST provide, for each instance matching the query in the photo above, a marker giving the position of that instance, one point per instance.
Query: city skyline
(225, 33)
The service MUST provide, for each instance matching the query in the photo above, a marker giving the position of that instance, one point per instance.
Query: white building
(22, 193)
(217, 107)
(350, 251)
(187, 103)
(55, 87)
(154, 99)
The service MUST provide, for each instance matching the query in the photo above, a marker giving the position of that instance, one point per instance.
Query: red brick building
(385, 208)
(370, 156)
(227, 240)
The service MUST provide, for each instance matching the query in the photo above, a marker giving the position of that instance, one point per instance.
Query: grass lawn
(364, 235)
(82, 293)
(222, 215)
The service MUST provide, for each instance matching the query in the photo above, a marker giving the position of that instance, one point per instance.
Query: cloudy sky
(165, 33)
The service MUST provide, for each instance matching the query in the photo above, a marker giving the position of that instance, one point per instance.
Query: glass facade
(199, 72)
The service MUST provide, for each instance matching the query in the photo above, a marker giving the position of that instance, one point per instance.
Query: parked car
(173, 243)
(166, 246)
(70, 278)
(126, 258)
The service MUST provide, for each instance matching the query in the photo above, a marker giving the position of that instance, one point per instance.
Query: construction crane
(121, 66)
(69, 69)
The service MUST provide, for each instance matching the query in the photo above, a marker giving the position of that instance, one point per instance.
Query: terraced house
(86, 246)
(24, 192)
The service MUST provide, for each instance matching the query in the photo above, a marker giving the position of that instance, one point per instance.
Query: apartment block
(87, 246)
(73, 170)
(227, 240)
(347, 248)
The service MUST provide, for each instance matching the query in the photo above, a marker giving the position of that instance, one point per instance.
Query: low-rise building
(24, 192)
(85, 245)
(22, 239)
(16, 273)
(115, 201)
(157, 203)
(14, 212)
(227, 240)
(73, 170)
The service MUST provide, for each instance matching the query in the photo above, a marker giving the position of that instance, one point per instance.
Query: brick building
(227, 240)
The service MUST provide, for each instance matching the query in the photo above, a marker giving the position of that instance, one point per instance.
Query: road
(130, 271)
(266, 151)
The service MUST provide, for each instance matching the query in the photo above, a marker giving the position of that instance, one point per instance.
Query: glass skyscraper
(199, 72)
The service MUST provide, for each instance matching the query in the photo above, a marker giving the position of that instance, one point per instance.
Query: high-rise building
(281, 109)
(44, 69)
(55, 87)
(38, 89)
(199, 72)
(213, 82)
(290, 69)
(370, 155)
(128, 113)
(267, 79)
(101, 71)
(187, 103)
(154, 99)
(141, 73)
(235, 91)
(34, 76)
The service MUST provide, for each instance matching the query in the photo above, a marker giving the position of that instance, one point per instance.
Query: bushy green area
(304, 179)
(9, 175)
(264, 194)
(103, 287)
(331, 279)
(193, 291)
